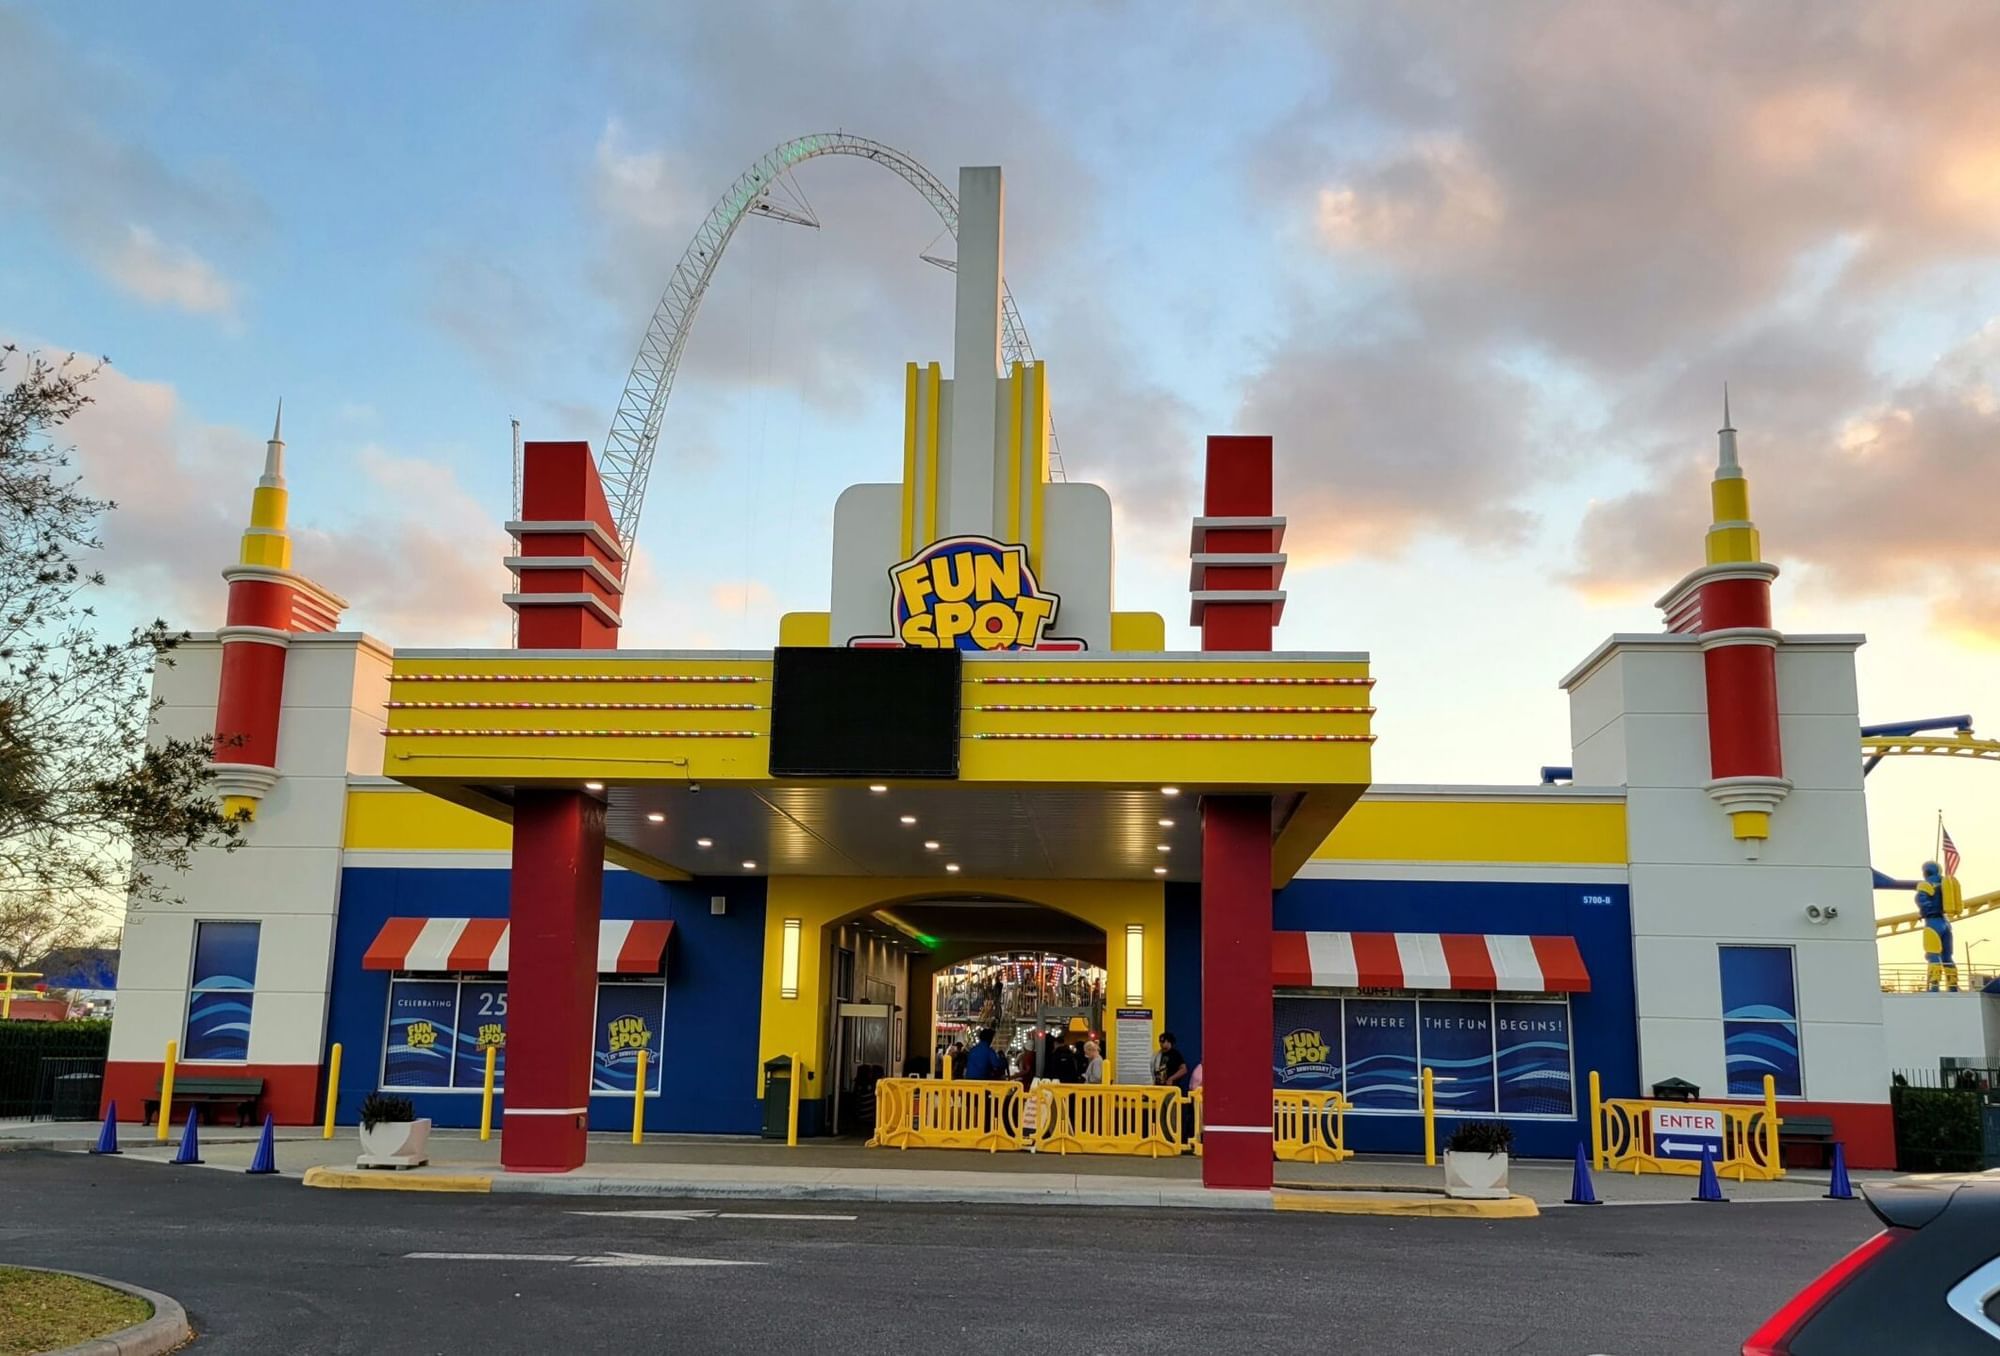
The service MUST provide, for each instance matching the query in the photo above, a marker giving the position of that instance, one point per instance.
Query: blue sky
(1480, 271)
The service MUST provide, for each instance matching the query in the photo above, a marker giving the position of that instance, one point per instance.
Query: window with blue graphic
(1532, 1059)
(1381, 1053)
(482, 1025)
(629, 1018)
(222, 992)
(1760, 1020)
(1305, 1050)
(1456, 1039)
(423, 1026)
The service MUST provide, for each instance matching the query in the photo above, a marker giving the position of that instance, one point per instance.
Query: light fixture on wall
(1135, 964)
(788, 960)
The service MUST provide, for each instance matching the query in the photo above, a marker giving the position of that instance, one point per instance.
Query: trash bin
(76, 1096)
(778, 1097)
(1675, 1090)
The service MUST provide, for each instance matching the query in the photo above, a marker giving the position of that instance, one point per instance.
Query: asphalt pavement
(264, 1265)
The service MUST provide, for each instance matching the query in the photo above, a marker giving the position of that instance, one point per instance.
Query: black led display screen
(864, 713)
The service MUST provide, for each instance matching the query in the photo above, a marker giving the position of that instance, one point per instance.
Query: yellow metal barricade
(1114, 1119)
(1309, 1127)
(1625, 1130)
(924, 1113)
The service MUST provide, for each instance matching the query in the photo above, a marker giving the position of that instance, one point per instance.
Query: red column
(1237, 570)
(1236, 991)
(556, 887)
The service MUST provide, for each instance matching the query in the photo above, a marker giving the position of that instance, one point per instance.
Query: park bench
(241, 1093)
(1807, 1130)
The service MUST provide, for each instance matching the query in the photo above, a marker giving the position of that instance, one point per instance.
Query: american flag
(1950, 852)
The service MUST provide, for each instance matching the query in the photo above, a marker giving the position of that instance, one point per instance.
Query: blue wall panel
(1183, 1015)
(1604, 1021)
(708, 1047)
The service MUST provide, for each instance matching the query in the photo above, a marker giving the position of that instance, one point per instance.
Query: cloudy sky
(1481, 269)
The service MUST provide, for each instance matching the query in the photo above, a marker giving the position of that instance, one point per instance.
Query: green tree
(92, 811)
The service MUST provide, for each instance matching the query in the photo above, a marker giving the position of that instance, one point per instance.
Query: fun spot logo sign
(970, 593)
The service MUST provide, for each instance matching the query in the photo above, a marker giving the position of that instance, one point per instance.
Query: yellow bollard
(639, 1100)
(1430, 1122)
(1771, 1123)
(1596, 1124)
(332, 1089)
(167, 1089)
(792, 1126)
(486, 1095)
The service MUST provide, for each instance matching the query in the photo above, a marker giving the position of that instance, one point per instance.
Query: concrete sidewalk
(705, 1167)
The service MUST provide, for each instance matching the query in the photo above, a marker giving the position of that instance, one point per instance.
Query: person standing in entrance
(1170, 1068)
(1093, 1063)
(984, 1063)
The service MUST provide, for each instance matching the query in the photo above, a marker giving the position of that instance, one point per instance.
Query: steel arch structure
(627, 457)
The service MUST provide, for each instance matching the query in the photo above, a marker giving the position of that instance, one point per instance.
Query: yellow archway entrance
(801, 914)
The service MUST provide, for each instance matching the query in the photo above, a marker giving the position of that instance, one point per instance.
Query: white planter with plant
(392, 1135)
(1475, 1161)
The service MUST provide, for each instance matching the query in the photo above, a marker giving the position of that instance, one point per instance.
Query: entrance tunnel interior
(909, 978)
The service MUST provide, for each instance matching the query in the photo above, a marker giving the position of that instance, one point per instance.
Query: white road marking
(609, 1259)
(685, 1215)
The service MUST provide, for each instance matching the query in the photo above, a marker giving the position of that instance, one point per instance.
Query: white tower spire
(1726, 465)
(274, 453)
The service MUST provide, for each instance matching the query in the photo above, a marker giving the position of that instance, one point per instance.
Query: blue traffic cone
(1840, 1189)
(1580, 1190)
(107, 1138)
(266, 1158)
(1710, 1188)
(190, 1151)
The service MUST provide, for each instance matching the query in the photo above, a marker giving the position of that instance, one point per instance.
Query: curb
(1414, 1204)
(355, 1179)
(163, 1332)
(341, 1179)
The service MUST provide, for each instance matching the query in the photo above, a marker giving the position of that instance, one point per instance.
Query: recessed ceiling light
(1170, 790)
(593, 786)
(704, 842)
(1159, 871)
(749, 866)
(951, 866)
(930, 845)
(909, 819)
(1165, 847)
(656, 817)
(878, 788)
(1166, 823)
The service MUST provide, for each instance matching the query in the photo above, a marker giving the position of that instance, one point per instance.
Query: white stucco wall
(1919, 1029)
(286, 872)
(1638, 717)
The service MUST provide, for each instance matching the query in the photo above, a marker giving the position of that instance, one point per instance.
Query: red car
(1929, 1282)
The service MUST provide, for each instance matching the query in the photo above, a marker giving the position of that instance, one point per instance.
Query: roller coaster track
(1959, 744)
(627, 457)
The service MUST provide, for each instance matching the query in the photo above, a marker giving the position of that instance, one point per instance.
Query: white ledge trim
(569, 527)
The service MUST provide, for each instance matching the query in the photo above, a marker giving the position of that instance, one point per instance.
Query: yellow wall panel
(1443, 830)
(1145, 632)
(409, 821)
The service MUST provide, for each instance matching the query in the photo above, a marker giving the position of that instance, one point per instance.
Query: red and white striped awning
(625, 946)
(1427, 960)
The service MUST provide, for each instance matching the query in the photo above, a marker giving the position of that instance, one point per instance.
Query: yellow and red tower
(1727, 604)
(268, 604)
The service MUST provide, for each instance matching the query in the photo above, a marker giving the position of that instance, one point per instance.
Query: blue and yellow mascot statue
(1938, 901)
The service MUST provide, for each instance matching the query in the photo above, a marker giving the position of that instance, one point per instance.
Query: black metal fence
(52, 1070)
(1938, 1129)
